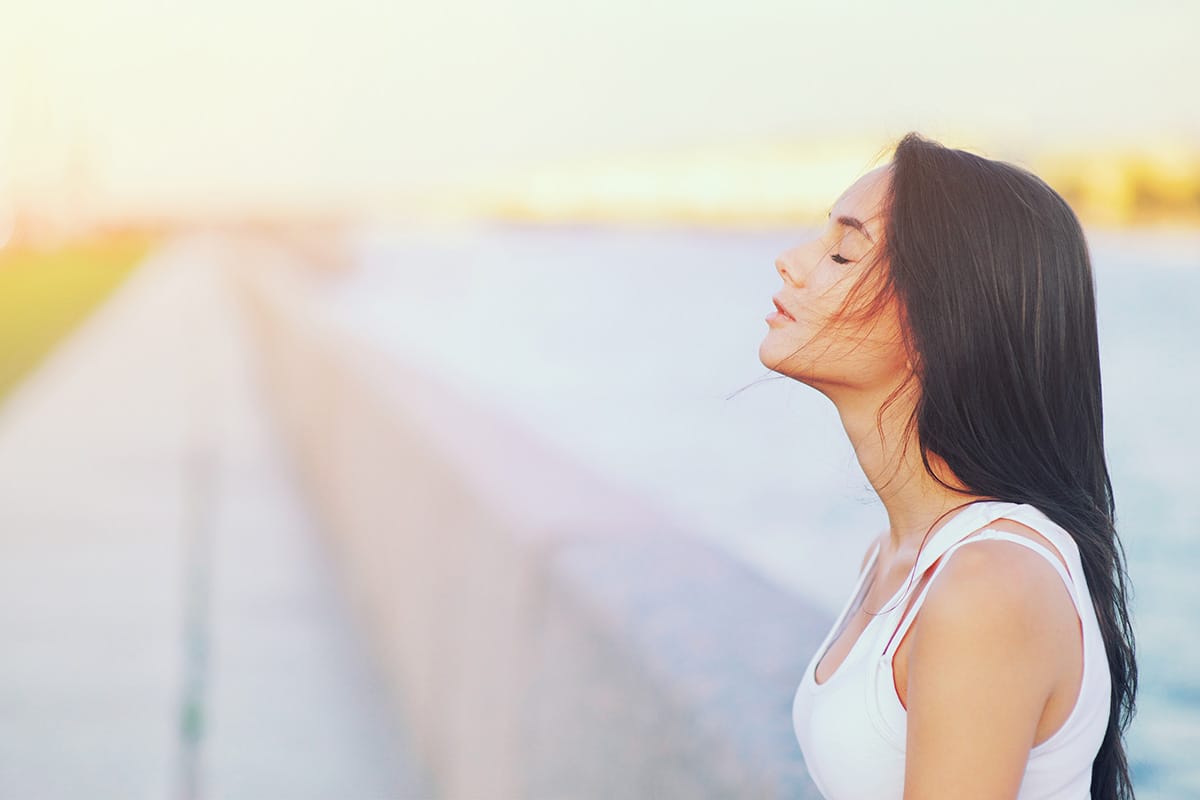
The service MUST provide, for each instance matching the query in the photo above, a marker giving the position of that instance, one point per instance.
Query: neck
(914, 500)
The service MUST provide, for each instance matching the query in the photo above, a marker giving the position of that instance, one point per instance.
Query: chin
(773, 358)
(765, 355)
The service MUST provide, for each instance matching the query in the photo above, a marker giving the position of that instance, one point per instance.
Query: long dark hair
(992, 280)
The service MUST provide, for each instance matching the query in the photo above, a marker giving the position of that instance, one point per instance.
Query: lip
(782, 310)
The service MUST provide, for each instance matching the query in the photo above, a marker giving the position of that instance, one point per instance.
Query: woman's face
(817, 275)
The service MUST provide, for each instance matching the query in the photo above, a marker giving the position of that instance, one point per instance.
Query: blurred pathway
(170, 622)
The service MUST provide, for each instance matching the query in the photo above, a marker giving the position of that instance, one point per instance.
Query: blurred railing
(546, 633)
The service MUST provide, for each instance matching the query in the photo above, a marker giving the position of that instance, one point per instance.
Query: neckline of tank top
(925, 559)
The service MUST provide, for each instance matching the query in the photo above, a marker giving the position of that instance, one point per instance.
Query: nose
(788, 275)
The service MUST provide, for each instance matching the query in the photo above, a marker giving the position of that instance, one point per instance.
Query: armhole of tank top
(1073, 589)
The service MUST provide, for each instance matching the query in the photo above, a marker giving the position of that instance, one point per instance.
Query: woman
(947, 310)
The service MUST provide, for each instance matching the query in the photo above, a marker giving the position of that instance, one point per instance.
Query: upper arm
(978, 677)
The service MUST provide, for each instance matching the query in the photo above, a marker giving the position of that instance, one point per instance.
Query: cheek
(823, 296)
(886, 343)
(828, 278)
(875, 343)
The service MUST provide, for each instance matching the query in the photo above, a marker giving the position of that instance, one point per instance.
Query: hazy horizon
(273, 105)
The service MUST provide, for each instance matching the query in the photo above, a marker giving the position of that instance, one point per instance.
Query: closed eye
(839, 260)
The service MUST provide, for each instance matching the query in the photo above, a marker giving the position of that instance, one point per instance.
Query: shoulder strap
(984, 535)
(870, 559)
(1032, 545)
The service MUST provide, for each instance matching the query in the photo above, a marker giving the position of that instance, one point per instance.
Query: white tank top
(852, 727)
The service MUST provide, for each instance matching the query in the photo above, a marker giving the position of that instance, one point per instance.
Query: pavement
(171, 619)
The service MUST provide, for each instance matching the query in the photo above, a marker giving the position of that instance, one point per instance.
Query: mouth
(783, 311)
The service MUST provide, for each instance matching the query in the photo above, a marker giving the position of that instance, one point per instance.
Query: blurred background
(380, 407)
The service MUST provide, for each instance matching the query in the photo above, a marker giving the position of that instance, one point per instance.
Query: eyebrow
(852, 222)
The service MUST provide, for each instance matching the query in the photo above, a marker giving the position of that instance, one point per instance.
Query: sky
(231, 105)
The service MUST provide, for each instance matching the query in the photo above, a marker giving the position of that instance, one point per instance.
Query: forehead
(865, 196)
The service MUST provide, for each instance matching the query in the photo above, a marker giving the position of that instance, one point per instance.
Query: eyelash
(837, 259)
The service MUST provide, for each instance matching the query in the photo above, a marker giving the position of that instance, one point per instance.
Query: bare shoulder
(995, 596)
(991, 579)
(1008, 570)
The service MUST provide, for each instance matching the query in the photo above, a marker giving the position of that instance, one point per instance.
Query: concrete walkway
(170, 620)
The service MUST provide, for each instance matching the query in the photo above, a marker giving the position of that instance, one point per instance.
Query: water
(628, 348)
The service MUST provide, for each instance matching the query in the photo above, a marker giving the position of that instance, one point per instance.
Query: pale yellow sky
(233, 105)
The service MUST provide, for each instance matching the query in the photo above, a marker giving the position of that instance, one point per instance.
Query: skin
(992, 664)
